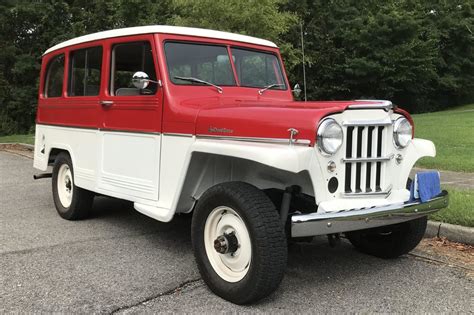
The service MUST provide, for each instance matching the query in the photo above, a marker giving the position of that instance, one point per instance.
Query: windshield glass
(258, 69)
(204, 62)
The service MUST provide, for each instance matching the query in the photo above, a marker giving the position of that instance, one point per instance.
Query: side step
(157, 213)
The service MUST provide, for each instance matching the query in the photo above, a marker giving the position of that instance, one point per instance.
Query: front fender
(417, 149)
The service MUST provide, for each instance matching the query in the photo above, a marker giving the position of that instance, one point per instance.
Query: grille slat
(373, 173)
(364, 158)
(347, 184)
(355, 141)
(363, 170)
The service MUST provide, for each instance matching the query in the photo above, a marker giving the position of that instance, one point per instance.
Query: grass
(460, 210)
(452, 132)
(29, 139)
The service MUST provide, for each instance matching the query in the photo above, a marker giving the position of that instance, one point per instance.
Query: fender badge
(219, 130)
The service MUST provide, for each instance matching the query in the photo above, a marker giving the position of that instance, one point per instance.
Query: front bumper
(311, 224)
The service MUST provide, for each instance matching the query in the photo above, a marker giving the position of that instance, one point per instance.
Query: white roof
(162, 29)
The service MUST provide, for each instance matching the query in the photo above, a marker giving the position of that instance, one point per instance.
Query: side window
(84, 72)
(126, 60)
(54, 77)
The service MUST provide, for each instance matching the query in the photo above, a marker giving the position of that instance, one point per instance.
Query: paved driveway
(122, 261)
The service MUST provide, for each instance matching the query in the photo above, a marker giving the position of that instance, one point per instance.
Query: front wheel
(239, 242)
(389, 241)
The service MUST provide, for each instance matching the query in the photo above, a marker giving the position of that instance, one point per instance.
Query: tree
(259, 18)
(416, 53)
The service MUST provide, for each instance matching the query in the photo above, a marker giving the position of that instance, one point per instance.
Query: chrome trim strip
(129, 131)
(312, 224)
(367, 159)
(178, 134)
(304, 142)
(100, 129)
(65, 126)
(367, 123)
(384, 102)
(369, 104)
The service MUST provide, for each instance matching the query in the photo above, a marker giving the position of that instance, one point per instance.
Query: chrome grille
(364, 158)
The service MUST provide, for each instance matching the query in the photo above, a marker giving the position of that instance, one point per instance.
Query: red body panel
(264, 118)
(185, 109)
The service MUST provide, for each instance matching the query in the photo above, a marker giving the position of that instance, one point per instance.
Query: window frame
(111, 65)
(69, 69)
(47, 75)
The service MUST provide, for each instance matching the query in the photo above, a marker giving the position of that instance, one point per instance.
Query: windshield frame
(228, 47)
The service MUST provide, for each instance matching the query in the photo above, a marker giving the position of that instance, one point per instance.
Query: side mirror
(140, 80)
(296, 90)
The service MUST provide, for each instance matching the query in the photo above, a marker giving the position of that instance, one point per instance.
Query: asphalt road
(121, 261)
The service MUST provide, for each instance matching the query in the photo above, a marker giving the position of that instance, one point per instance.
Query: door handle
(106, 103)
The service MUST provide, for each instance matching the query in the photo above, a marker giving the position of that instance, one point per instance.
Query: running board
(157, 213)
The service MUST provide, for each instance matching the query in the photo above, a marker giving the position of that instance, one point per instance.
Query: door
(131, 121)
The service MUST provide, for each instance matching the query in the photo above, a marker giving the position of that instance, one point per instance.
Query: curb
(29, 147)
(21, 149)
(454, 233)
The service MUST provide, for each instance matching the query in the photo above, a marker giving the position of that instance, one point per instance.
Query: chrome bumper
(310, 224)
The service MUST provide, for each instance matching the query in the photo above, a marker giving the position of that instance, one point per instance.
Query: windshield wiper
(269, 87)
(196, 80)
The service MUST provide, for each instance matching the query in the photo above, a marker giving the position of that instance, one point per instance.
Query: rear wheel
(239, 242)
(72, 202)
(389, 241)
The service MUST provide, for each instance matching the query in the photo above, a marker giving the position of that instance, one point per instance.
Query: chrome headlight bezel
(402, 133)
(329, 137)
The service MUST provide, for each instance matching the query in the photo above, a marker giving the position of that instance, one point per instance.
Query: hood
(273, 119)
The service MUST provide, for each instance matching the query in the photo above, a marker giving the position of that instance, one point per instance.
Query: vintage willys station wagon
(179, 120)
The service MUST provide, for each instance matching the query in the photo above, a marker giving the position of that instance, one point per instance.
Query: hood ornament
(293, 132)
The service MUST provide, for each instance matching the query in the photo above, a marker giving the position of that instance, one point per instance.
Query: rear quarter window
(85, 72)
(54, 77)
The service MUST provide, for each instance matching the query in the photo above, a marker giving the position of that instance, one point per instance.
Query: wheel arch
(54, 152)
(207, 169)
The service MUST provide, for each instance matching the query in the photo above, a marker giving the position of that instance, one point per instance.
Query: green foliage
(417, 53)
(259, 18)
(452, 133)
(28, 139)
(459, 211)
(411, 52)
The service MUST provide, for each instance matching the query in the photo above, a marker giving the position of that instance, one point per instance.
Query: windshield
(203, 62)
(189, 62)
(258, 69)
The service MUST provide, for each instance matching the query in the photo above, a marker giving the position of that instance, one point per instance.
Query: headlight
(402, 132)
(329, 136)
